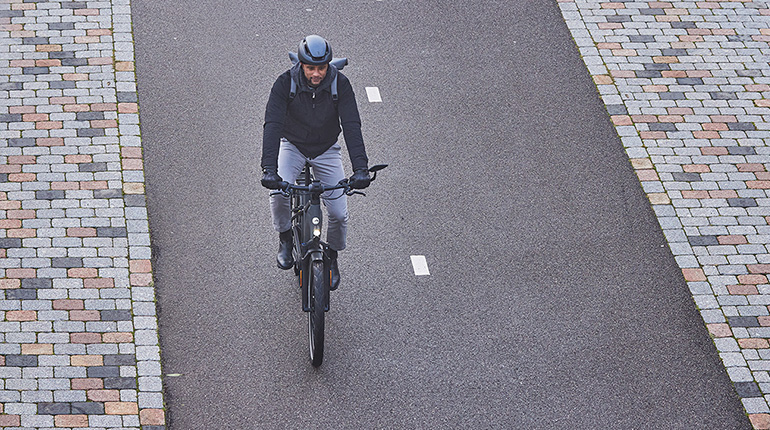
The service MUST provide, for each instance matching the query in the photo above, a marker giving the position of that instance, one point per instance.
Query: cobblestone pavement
(78, 329)
(687, 85)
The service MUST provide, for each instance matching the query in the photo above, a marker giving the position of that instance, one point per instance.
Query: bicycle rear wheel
(317, 291)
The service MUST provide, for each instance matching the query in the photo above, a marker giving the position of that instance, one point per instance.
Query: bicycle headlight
(316, 227)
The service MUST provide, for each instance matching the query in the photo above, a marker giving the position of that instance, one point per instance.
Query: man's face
(315, 74)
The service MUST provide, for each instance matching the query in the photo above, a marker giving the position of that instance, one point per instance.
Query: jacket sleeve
(351, 124)
(275, 115)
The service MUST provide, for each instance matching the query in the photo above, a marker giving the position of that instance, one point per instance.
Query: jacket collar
(302, 85)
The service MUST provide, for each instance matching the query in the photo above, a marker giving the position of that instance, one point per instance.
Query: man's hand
(360, 179)
(270, 178)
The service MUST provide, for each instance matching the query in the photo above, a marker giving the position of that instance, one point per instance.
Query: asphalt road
(553, 300)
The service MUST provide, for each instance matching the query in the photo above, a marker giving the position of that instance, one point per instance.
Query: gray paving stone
(730, 61)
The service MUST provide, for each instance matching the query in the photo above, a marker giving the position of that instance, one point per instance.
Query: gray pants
(328, 169)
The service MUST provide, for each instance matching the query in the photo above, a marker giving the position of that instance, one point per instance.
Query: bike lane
(552, 302)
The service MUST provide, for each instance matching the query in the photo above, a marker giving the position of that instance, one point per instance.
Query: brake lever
(281, 192)
(351, 192)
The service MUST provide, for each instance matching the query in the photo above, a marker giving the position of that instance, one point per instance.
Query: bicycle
(311, 261)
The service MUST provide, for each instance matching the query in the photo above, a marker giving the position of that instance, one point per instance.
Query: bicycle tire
(295, 250)
(317, 291)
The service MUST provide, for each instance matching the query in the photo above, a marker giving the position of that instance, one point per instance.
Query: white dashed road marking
(374, 94)
(420, 265)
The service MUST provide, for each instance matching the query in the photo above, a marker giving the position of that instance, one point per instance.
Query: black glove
(270, 178)
(360, 179)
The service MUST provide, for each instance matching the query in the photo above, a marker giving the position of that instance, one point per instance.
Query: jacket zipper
(313, 99)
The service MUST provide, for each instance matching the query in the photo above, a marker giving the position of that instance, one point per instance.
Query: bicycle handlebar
(286, 188)
(314, 188)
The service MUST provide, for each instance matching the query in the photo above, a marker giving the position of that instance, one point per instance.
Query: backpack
(338, 63)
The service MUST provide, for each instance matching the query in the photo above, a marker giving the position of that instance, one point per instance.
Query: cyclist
(304, 128)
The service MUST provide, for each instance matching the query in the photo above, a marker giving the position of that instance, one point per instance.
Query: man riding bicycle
(304, 127)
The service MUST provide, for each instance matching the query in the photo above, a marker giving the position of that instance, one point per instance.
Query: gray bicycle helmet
(314, 50)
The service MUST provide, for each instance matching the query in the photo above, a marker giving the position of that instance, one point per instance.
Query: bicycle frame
(307, 224)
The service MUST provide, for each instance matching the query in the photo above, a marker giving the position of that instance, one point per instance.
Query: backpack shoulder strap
(335, 96)
(292, 90)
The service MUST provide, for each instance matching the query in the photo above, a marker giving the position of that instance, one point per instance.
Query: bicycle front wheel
(317, 291)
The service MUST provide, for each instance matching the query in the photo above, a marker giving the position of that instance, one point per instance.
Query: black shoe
(285, 257)
(335, 271)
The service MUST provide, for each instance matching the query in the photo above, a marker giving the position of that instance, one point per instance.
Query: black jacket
(311, 121)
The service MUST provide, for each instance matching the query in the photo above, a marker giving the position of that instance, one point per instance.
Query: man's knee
(338, 215)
